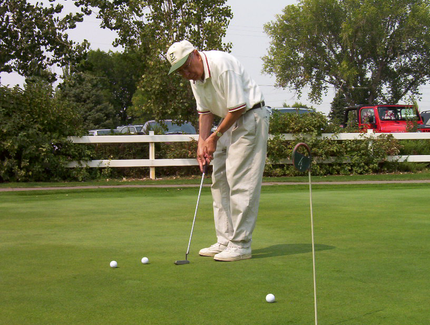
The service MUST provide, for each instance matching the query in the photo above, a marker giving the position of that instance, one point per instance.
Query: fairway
(372, 245)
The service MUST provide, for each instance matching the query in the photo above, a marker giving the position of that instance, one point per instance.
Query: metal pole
(313, 250)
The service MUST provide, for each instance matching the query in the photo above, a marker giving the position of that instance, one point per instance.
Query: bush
(364, 156)
(34, 127)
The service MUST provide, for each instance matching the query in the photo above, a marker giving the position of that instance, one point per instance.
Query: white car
(284, 110)
(168, 127)
(102, 132)
(130, 129)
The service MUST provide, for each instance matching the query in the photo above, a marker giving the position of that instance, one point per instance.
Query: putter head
(182, 262)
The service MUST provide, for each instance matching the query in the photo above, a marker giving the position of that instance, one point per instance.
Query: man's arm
(205, 125)
(209, 141)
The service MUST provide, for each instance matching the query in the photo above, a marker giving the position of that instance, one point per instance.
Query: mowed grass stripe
(371, 245)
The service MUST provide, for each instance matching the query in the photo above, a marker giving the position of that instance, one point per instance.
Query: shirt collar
(206, 67)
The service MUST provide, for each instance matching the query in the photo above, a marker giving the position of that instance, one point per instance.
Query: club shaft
(313, 250)
(195, 214)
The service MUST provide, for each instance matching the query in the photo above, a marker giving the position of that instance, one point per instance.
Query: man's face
(193, 67)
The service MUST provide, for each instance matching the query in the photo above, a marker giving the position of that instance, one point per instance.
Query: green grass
(372, 244)
(425, 175)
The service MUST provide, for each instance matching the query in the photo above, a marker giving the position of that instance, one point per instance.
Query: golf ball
(270, 298)
(113, 264)
(145, 260)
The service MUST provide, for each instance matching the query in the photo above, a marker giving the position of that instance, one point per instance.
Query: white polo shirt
(226, 87)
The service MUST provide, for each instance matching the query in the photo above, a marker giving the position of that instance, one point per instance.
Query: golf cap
(178, 54)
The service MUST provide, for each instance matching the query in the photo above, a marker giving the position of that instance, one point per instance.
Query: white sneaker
(213, 250)
(231, 254)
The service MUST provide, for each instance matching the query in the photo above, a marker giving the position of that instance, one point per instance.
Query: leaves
(34, 126)
(102, 87)
(370, 51)
(148, 28)
(33, 38)
(364, 156)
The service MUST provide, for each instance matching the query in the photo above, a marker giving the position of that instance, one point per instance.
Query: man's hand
(210, 146)
(205, 124)
(207, 141)
(205, 150)
(201, 157)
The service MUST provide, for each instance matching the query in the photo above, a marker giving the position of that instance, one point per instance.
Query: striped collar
(206, 67)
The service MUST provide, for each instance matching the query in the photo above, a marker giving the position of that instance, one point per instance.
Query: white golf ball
(270, 298)
(113, 264)
(145, 260)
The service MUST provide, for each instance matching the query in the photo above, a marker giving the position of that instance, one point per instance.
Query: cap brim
(179, 64)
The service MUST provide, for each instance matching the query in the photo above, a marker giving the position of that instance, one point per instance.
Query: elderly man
(237, 149)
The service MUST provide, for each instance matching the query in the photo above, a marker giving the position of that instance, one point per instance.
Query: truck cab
(385, 118)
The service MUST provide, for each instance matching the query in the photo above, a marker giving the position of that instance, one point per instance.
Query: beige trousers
(238, 167)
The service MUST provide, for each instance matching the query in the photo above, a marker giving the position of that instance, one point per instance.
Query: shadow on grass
(288, 249)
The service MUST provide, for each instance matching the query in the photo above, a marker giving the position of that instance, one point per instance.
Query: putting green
(371, 256)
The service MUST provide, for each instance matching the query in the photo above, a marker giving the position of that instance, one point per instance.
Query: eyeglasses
(185, 67)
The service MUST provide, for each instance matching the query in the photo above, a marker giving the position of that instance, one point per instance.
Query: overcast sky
(250, 44)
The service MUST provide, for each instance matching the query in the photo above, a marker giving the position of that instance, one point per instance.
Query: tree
(34, 126)
(102, 86)
(92, 101)
(370, 51)
(118, 73)
(300, 105)
(338, 105)
(33, 38)
(148, 28)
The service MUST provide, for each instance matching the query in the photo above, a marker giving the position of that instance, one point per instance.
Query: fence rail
(152, 163)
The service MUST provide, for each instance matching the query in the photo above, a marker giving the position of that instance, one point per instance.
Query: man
(237, 149)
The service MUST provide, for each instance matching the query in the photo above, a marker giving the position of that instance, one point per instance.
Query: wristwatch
(218, 134)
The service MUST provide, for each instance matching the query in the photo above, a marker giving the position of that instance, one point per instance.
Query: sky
(249, 41)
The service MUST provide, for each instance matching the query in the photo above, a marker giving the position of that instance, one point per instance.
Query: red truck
(386, 118)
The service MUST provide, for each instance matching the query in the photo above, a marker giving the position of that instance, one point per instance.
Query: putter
(302, 162)
(186, 261)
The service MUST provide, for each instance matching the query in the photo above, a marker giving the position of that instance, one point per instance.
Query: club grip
(205, 168)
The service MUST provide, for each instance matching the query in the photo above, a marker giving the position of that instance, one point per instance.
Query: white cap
(178, 54)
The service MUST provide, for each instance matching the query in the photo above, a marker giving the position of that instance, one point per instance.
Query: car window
(168, 127)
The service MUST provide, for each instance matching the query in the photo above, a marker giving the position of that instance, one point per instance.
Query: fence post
(151, 157)
(370, 131)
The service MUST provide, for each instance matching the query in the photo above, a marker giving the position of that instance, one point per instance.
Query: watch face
(219, 134)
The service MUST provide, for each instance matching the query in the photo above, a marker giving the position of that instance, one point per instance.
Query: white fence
(152, 163)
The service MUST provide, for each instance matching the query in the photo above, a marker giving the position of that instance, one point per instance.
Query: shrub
(34, 126)
(367, 155)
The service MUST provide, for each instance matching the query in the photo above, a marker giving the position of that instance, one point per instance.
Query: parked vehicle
(385, 118)
(168, 127)
(276, 110)
(130, 129)
(162, 127)
(102, 132)
(290, 110)
(426, 117)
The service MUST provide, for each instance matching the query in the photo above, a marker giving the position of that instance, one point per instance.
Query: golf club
(182, 262)
(303, 163)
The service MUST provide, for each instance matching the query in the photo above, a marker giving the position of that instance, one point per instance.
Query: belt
(258, 105)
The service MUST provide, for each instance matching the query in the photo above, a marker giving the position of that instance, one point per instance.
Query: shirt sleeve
(235, 96)
(200, 107)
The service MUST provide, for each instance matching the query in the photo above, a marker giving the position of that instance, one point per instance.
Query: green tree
(338, 105)
(148, 28)
(120, 73)
(300, 105)
(85, 92)
(34, 126)
(104, 81)
(33, 38)
(371, 51)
